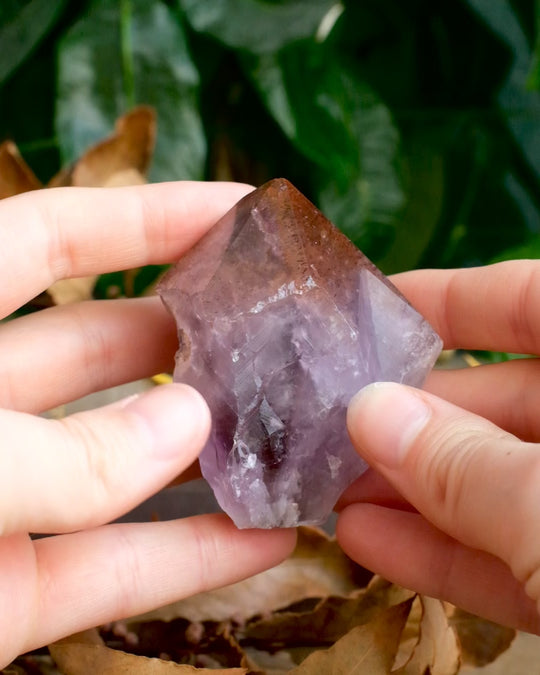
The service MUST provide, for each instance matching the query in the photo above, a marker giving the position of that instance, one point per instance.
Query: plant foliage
(413, 125)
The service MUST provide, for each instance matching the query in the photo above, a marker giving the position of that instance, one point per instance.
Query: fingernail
(384, 419)
(174, 416)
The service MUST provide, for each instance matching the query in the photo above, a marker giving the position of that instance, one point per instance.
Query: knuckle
(207, 556)
(522, 321)
(127, 573)
(96, 350)
(522, 543)
(95, 466)
(449, 473)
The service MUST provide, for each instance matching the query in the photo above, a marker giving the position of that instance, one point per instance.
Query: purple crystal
(281, 320)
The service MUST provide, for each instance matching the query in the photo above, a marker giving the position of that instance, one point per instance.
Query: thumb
(71, 474)
(469, 478)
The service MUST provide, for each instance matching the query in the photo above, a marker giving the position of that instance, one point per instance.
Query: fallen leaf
(437, 648)
(384, 593)
(410, 635)
(32, 664)
(122, 159)
(66, 291)
(522, 658)
(481, 641)
(370, 648)
(87, 659)
(330, 619)
(317, 568)
(196, 644)
(15, 174)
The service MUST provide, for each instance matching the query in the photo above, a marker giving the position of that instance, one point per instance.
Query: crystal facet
(281, 320)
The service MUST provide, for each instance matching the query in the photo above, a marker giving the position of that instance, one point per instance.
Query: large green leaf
(336, 120)
(125, 52)
(520, 104)
(22, 27)
(258, 25)
(424, 180)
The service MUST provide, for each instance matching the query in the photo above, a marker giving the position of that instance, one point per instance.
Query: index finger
(73, 232)
(496, 307)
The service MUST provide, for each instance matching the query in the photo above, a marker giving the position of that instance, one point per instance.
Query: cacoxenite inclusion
(281, 320)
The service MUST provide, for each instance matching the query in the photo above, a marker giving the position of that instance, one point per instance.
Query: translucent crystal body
(281, 320)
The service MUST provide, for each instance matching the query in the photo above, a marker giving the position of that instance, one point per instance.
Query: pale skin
(451, 506)
(69, 477)
(423, 521)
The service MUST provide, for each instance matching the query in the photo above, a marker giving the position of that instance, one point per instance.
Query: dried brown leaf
(317, 568)
(62, 178)
(15, 174)
(481, 641)
(32, 664)
(197, 644)
(85, 654)
(66, 291)
(410, 634)
(522, 658)
(437, 649)
(384, 593)
(370, 648)
(75, 658)
(124, 157)
(327, 621)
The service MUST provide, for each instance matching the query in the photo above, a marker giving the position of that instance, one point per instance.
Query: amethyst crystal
(281, 320)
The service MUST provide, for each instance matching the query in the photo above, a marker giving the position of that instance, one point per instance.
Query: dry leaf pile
(315, 614)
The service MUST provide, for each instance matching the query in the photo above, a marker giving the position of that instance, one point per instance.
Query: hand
(70, 476)
(451, 506)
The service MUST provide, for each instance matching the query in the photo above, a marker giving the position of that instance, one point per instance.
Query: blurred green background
(414, 125)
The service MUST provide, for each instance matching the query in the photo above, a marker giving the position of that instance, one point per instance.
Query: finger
(92, 346)
(466, 476)
(493, 307)
(83, 470)
(72, 582)
(513, 407)
(372, 488)
(72, 232)
(407, 550)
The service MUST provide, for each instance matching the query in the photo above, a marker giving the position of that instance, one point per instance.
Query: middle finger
(63, 353)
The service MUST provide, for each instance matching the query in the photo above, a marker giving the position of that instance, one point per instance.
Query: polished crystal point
(281, 320)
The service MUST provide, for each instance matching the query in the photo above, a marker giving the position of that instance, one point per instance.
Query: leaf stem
(126, 48)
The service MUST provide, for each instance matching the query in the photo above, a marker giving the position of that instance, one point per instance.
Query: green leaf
(127, 284)
(533, 81)
(520, 105)
(502, 20)
(257, 25)
(424, 178)
(122, 53)
(530, 249)
(336, 120)
(22, 26)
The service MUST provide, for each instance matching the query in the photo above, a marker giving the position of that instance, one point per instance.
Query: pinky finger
(406, 549)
